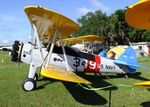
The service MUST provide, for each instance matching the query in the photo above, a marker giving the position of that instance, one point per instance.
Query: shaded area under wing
(72, 52)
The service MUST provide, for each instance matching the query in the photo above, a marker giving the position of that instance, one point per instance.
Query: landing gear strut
(36, 77)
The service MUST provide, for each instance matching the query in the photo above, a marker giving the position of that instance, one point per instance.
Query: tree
(146, 35)
(93, 23)
(114, 28)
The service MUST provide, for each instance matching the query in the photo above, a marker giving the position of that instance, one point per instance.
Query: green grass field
(52, 93)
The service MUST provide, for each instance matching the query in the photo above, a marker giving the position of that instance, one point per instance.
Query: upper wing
(61, 74)
(133, 15)
(47, 21)
(81, 39)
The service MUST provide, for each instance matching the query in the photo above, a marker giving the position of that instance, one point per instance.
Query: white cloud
(20, 39)
(84, 10)
(29, 37)
(100, 5)
(8, 18)
(5, 41)
(95, 5)
(6, 29)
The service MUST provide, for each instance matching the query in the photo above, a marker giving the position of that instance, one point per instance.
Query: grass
(52, 93)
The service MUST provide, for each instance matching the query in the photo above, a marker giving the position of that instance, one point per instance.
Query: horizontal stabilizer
(128, 64)
(145, 84)
(61, 74)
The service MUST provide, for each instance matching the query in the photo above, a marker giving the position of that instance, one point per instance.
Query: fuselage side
(78, 61)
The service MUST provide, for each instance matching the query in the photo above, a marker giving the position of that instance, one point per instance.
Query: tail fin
(129, 58)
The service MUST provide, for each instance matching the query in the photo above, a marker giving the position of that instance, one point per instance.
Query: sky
(14, 24)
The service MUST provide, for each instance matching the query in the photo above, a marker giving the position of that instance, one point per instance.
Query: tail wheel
(29, 84)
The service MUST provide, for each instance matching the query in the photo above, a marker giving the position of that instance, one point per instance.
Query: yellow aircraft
(61, 62)
(83, 39)
(138, 16)
(48, 25)
(85, 43)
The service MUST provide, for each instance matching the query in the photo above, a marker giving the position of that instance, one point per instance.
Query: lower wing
(145, 84)
(61, 74)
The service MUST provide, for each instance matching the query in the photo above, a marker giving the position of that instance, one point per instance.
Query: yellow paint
(138, 15)
(81, 39)
(47, 21)
(62, 74)
(115, 52)
(145, 84)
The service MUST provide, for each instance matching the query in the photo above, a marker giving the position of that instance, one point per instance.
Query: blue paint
(129, 58)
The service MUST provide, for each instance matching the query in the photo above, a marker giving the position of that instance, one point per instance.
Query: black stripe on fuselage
(72, 52)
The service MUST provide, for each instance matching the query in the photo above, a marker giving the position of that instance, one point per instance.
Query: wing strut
(61, 43)
(51, 48)
(38, 41)
(57, 33)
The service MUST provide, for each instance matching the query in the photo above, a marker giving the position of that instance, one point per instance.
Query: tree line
(113, 28)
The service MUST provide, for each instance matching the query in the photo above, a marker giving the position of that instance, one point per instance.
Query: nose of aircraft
(15, 51)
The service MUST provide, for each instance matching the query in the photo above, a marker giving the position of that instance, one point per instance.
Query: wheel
(36, 77)
(29, 84)
(123, 75)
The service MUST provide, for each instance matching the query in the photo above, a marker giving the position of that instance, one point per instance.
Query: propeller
(15, 52)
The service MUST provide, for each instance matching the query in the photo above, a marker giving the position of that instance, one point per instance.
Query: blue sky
(14, 24)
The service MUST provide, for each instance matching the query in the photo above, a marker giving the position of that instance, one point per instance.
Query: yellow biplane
(61, 62)
(83, 39)
(48, 25)
(138, 16)
(85, 43)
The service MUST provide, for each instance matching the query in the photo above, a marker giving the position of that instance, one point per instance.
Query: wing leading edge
(63, 75)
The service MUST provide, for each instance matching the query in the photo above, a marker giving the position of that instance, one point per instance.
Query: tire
(29, 84)
(122, 75)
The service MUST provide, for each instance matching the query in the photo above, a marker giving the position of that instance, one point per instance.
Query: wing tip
(145, 84)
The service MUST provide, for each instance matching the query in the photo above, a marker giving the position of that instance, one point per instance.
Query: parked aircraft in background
(88, 44)
(6, 48)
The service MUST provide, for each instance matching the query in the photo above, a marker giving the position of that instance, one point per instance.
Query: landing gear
(36, 77)
(29, 84)
(126, 76)
(123, 75)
